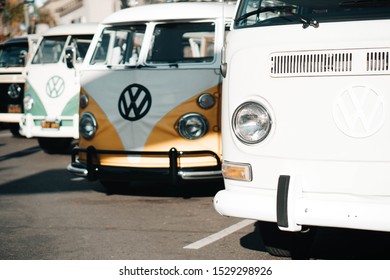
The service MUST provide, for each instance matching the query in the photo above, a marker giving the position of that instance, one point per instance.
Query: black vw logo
(134, 102)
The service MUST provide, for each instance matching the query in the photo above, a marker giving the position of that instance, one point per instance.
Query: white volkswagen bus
(150, 95)
(306, 115)
(53, 86)
(14, 54)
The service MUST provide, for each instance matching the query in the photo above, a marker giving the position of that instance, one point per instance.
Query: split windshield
(51, 48)
(170, 43)
(308, 12)
(182, 43)
(119, 45)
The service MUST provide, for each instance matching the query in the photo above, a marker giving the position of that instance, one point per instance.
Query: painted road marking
(77, 179)
(219, 235)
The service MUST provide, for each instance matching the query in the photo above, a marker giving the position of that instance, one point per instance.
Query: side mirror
(22, 57)
(69, 57)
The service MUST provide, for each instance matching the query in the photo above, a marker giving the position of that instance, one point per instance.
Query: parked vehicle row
(140, 93)
(303, 110)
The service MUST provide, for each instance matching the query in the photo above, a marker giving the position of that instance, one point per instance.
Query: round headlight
(192, 126)
(83, 101)
(14, 91)
(28, 103)
(251, 123)
(206, 101)
(87, 126)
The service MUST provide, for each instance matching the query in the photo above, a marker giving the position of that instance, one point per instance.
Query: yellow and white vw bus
(151, 93)
(53, 86)
(306, 119)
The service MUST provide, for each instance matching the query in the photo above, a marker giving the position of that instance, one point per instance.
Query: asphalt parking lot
(48, 214)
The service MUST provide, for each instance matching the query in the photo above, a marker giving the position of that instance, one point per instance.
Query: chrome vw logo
(55, 86)
(134, 102)
(359, 112)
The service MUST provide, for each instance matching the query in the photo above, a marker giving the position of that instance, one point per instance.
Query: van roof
(171, 11)
(72, 29)
(16, 40)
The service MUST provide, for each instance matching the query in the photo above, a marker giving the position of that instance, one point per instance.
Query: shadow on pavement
(158, 188)
(60, 180)
(22, 153)
(56, 180)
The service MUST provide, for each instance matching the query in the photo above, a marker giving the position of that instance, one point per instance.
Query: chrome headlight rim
(238, 132)
(28, 102)
(184, 122)
(84, 101)
(87, 134)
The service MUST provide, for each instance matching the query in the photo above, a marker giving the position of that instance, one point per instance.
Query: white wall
(91, 11)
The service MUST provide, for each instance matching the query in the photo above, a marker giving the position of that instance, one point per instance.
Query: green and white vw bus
(52, 87)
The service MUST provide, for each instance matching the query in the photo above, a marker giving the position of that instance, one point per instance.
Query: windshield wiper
(127, 66)
(274, 9)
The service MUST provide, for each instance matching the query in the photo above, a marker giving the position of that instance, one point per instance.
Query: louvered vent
(307, 63)
(378, 61)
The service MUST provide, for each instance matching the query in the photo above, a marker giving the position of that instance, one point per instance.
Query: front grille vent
(377, 61)
(311, 63)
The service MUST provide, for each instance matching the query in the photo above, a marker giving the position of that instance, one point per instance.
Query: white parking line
(77, 179)
(219, 235)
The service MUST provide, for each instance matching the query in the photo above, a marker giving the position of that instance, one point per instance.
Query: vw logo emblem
(359, 111)
(55, 86)
(135, 102)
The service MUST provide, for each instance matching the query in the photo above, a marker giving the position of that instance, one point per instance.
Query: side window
(119, 45)
(81, 44)
(50, 50)
(182, 43)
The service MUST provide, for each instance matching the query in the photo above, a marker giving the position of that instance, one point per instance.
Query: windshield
(81, 44)
(182, 43)
(308, 12)
(11, 55)
(50, 50)
(119, 45)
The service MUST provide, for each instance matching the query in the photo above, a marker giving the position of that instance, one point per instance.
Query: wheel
(280, 243)
(14, 128)
(54, 145)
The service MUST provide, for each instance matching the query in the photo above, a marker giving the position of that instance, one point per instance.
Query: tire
(14, 128)
(296, 245)
(55, 145)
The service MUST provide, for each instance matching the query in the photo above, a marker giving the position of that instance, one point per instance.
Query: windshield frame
(39, 57)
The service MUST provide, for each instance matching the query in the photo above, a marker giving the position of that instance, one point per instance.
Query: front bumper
(10, 117)
(30, 126)
(291, 208)
(93, 170)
